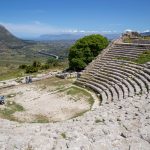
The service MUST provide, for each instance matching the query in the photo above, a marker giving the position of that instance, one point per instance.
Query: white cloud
(146, 30)
(128, 30)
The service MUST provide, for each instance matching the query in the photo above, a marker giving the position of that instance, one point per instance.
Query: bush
(36, 64)
(85, 50)
(44, 67)
(23, 66)
(31, 69)
(52, 62)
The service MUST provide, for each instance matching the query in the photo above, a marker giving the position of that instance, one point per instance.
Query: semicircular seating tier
(115, 79)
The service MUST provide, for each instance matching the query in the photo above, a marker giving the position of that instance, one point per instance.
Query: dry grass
(10, 109)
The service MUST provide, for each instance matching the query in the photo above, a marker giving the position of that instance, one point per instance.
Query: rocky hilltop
(121, 120)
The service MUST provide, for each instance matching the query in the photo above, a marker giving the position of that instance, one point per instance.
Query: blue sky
(35, 17)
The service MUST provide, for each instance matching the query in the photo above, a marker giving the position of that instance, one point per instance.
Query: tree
(85, 50)
(78, 64)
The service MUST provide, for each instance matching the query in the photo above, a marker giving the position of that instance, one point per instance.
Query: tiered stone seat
(116, 79)
(108, 86)
(141, 41)
(121, 90)
(117, 55)
(131, 77)
(130, 51)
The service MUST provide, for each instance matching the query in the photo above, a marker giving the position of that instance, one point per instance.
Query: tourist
(30, 79)
(2, 100)
(27, 80)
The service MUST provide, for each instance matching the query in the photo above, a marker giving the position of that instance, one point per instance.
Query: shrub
(31, 69)
(85, 50)
(36, 64)
(45, 66)
(23, 66)
(52, 62)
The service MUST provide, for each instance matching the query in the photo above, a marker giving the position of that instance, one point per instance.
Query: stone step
(103, 88)
(142, 82)
(103, 97)
(131, 46)
(140, 74)
(113, 91)
(136, 83)
(128, 49)
(120, 88)
(125, 52)
(122, 55)
(122, 79)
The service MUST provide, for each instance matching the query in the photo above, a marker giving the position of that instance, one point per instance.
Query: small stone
(118, 119)
(120, 107)
(10, 102)
(123, 135)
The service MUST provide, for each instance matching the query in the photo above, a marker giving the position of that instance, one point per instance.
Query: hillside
(8, 39)
(13, 48)
(15, 52)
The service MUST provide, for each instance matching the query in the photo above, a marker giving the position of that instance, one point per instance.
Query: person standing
(27, 80)
(30, 79)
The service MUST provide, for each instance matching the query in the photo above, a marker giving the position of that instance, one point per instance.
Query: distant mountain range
(47, 37)
(145, 34)
(75, 36)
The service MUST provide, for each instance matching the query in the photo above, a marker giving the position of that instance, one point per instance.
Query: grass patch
(127, 40)
(80, 92)
(11, 95)
(74, 91)
(9, 74)
(41, 119)
(142, 58)
(147, 37)
(125, 58)
(11, 108)
(64, 135)
(14, 106)
(53, 82)
(99, 120)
